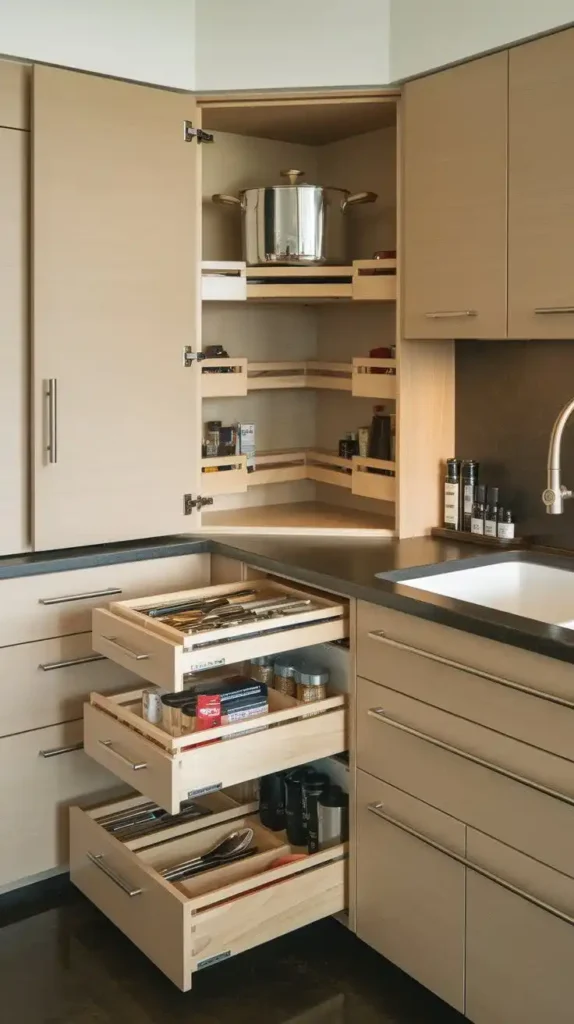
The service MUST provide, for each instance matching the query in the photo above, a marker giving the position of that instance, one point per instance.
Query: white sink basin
(524, 588)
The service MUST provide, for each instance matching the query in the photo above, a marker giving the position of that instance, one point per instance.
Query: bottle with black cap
(469, 481)
(452, 495)
(491, 513)
(477, 520)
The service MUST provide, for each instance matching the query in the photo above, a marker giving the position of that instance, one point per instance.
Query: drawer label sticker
(204, 790)
(210, 960)
(214, 663)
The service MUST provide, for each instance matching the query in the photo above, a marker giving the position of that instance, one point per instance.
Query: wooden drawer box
(532, 716)
(42, 773)
(517, 794)
(47, 682)
(533, 673)
(184, 927)
(58, 603)
(163, 655)
(171, 769)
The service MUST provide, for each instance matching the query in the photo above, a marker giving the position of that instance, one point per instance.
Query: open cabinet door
(116, 253)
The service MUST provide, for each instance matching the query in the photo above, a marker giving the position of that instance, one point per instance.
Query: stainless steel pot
(294, 225)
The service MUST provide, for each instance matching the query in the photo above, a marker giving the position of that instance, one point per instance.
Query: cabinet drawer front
(55, 604)
(47, 682)
(411, 897)
(172, 774)
(539, 721)
(36, 793)
(163, 654)
(421, 760)
(181, 931)
(534, 673)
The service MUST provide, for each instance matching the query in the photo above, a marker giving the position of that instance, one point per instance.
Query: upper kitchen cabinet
(541, 189)
(454, 202)
(115, 303)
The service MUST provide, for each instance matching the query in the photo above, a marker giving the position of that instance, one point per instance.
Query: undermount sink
(519, 587)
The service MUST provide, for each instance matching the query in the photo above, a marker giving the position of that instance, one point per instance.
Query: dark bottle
(333, 817)
(469, 474)
(452, 495)
(272, 801)
(491, 513)
(477, 520)
(313, 789)
(380, 436)
(296, 831)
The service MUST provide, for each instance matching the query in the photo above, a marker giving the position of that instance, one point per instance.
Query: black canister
(333, 816)
(294, 781)
(313, 789)
(272, 801)
(469, 482)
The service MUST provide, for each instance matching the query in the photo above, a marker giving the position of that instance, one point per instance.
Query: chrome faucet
(555, 493)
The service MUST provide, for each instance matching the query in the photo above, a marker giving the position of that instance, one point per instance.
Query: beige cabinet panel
(541, 189)
(411, 897)
(115, 279)
(518, 959)
(15, 81)
(455, 184)
(14, 530)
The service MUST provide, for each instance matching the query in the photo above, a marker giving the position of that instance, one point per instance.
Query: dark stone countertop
(346, 566)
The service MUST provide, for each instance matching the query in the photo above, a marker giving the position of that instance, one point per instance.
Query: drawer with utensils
(220, 885)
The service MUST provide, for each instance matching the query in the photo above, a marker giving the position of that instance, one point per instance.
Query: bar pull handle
(56, 751)
(136, 655)
(136, 766)
(68, 598)
(543, 310)
(51, 666)
(98, 860)
(450, 314)
(52, 397)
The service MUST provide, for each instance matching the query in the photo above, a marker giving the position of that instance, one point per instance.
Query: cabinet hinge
(190, 357)
(190, 133)
(189, 503)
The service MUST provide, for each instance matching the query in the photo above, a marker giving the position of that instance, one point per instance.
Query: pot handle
(358, 198)
(226, 200)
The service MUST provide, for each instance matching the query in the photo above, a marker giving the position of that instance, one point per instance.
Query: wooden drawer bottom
(184, 927)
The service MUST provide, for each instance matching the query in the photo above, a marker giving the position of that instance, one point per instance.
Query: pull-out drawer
(171, 769)
(186, 926)
(163, 654)
(518, 794)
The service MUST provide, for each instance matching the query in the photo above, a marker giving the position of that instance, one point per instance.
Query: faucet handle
(554, 499)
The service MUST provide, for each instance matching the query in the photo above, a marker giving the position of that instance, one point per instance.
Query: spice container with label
(491, 513)
(311, 682)
(505, 525)
(477, 518)
(284, 672)
(261, 669)
(452, 495)
(469, 475)
(212, 437)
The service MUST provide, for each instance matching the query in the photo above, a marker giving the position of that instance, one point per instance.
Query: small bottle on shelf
(506, 527)
(469, 475)
(452, 495)
(491, 513)
(477, 520)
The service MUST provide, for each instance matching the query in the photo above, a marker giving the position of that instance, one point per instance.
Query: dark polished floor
(69, 965)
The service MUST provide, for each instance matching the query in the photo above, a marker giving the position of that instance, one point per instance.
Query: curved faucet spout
(555, 493)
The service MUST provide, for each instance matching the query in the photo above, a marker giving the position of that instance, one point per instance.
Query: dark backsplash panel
(508, 394)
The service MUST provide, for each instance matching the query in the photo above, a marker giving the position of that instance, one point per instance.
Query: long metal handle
(380, 636)
(51, 666)
(136, 766)
(98, 860)
(381, 716)
(136, 655)
(67, 598)
(450, 314)
(554, 309)
(56, 751)
(378, 810)
(52, 396)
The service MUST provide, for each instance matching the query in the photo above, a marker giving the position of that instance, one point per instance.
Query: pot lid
(294, 175)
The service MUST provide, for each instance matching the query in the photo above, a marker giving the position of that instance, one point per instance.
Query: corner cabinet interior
(298, 341)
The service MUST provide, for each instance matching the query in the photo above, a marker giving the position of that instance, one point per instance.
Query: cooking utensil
(217, 611)
(253, 636)
(296, 224)
(242, 617)
(199, 868)
(230, 846)
(147, 819)
(200, 604)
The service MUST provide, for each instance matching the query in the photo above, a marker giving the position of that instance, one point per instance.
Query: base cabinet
(518, 959)
(410, 897)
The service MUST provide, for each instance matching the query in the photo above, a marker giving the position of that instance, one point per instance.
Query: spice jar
(284, 672)
(261, 669)
(212, 437)
(311, 682)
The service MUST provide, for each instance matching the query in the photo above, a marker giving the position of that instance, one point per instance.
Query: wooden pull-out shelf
(363, 280)
(163, 655)
(363, 378)
(171, 769)
(186, 926)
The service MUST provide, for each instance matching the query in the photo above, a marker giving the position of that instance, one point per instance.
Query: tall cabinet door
(454, 202)
(115, 299)
(541, 189)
